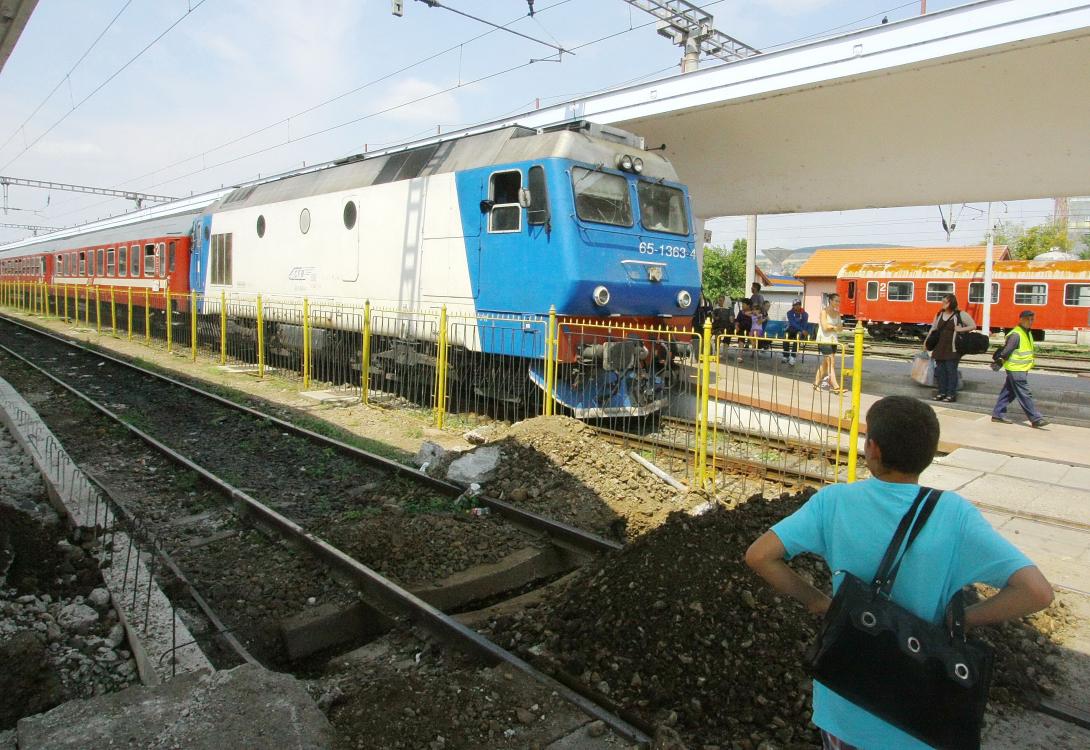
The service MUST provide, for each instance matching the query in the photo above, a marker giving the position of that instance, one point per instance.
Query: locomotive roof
(503, 146)
(1001, 269)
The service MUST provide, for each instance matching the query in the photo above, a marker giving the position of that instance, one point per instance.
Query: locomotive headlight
(684, 299)
(601, 296)
(625, 163)
(637, 165)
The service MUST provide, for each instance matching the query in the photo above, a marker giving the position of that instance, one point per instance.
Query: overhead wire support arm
(138, 198)
(28, 227)
(691, 27)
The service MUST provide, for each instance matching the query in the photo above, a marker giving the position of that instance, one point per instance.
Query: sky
(178, 97)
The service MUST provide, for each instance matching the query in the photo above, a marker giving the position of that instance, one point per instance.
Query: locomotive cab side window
(976, 293)
(900, 291)
(122, 261)
(937, 290)
(601, 197)
(1030, 294)
(1077, 295)
(503, 191)
(872, 290)
(538, 213)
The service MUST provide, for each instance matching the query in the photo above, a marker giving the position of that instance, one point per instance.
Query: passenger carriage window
(100, 264)
(110, 262)
(170, 254)
(503, 191)
(1077, 295)
(601, 197)
(122, 261)
(83, 264)
(59, 265)
(134, 260)
(538, 213)
(899, 291)
(221, 259)
(161, 259)
(149, 260)
(872, 290)
(1030, 294)
(937, 290)
(976, 293)
(662, 208)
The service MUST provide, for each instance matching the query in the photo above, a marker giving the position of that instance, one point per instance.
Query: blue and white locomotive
(500, 225)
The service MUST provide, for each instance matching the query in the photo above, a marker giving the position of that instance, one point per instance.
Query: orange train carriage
(902, 297)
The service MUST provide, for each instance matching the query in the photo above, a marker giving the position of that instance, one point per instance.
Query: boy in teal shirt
(850, 525)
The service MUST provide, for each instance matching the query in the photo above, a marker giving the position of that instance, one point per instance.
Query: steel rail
(385, 595)
(556, 530)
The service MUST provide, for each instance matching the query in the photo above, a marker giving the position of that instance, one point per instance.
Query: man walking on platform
(1017, 357)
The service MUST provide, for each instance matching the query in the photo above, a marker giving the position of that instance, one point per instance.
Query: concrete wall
(812, 298)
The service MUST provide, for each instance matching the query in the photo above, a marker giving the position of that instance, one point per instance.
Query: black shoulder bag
(924, 679)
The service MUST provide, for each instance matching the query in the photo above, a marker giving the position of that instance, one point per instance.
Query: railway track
(1072, 364)
(199, 494)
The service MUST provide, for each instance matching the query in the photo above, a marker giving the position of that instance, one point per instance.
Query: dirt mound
(678, 631)
(560, 467)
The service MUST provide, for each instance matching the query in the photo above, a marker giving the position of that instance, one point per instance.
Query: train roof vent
(406, 164)
(605, 132)
(240, 194)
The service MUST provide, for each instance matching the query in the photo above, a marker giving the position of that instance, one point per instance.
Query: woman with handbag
(942, 342)
(829, 326)
(900, 554)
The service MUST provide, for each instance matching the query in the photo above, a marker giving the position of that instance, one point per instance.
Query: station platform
(768, 383)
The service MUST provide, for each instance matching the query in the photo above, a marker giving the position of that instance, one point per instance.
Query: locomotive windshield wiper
(598, 168)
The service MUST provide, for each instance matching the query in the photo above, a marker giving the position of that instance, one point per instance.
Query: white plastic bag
(923, 369)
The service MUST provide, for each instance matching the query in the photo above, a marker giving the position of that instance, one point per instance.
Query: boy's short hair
(907, 432)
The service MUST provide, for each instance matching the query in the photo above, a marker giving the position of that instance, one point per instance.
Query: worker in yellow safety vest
(1016, 358)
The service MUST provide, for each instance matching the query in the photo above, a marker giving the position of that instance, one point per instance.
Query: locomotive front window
(899, 291)
(503, 191)
(1077, 295)
(976, 293)
(122, 261)
(872, 290)
(601, 197)
(1030, 294)
(662, 208)
(937, 290)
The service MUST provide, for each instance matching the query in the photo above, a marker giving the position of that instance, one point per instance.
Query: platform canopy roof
(13, 17)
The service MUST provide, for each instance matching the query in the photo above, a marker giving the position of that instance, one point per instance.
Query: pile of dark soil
(559, 467)
(678, 631)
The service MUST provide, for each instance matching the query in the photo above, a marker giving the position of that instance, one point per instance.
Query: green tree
(724, 270)
(1028, 243)
(1085, 254)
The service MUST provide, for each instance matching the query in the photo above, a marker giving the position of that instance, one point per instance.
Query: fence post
(147, 315)
(550, 362)
(129, 295)
(113, 311)
(702, 404)
(193, 324)
(170, 320)
(260, 339)
(45, 299)
(857, 389)
(223, 326)
(306, 343)
(441, 369)
(365, 354)
(98, 310)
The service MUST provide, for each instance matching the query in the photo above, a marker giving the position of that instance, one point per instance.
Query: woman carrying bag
(942, 343)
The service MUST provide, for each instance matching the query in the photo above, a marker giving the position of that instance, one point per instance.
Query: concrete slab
(590, 736)
(971, 458)
(1033, 468)
(242, 707)
(333, 398)
(1077, 477)
(1062, 503)
(948, 477)
(1003, 492)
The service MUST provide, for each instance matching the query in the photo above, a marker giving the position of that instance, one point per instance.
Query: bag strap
(887, 569)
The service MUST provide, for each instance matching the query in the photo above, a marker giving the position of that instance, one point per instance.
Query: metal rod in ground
(657, 471)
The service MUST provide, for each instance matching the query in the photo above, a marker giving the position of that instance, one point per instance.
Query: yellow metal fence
(712, 409)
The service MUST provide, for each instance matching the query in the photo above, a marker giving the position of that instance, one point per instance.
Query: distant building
(1078, 223)
(781, 291)
(818, 273)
